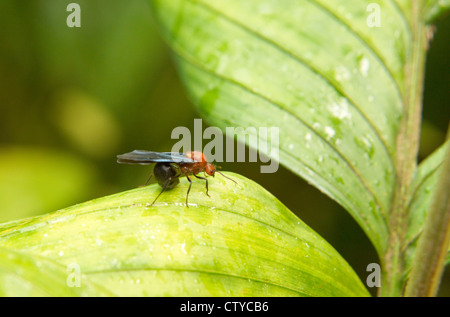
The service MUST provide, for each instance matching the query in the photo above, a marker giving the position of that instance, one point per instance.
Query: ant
(170, 166)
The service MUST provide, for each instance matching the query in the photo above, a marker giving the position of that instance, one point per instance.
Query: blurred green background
(71, 99)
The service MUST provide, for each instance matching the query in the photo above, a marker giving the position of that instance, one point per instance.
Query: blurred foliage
(73, 98)
(36, 179)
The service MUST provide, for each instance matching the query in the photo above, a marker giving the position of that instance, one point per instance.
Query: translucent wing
(148, 157)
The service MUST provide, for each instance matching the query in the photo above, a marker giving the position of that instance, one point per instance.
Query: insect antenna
(226, 177)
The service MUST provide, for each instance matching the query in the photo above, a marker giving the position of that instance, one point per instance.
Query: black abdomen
(166, 175)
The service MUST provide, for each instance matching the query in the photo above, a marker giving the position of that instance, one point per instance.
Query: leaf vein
(363, 42)
(315, 71)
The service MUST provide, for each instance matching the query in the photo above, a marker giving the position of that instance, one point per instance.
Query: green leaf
(423, 187)
(315, 69)
(241, 241)
(24, 276)
(435, 8)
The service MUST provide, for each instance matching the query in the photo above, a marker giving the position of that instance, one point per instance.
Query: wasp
(170, 166)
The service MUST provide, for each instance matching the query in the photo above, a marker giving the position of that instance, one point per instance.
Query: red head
(210, 169)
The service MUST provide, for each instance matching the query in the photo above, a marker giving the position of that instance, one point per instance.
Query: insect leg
(206, 180)
(148, 179)
(187, 194)
(164, 188)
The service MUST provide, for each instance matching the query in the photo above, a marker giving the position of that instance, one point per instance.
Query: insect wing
(179, 157)
(148, 157)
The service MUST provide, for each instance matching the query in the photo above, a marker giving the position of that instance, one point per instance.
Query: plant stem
(407, 149)
(433, 244)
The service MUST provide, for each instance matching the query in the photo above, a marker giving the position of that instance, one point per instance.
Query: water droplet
(329, 131)
(340, 110)
(308, 136)
(364, 65)
(341, 73)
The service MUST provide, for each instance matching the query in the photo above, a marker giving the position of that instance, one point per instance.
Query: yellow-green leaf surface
(241, 241)
(24, 275)
(321, 71)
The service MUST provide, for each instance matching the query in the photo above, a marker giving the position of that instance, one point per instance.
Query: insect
(170, 166)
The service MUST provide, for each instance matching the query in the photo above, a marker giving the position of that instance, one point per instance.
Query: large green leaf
(241, 241)
(317, 70)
